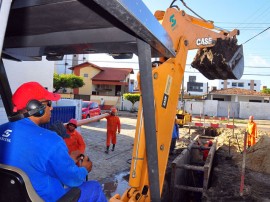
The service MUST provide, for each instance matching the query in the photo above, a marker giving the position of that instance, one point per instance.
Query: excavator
(187, 33)
(34, 29)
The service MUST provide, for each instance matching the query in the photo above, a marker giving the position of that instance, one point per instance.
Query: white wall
(258, 110)
(21, 72)
(228, 107)
(237, 109)
(194, 107)
(210, 107)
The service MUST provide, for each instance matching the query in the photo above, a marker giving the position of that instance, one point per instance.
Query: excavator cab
(15, 186)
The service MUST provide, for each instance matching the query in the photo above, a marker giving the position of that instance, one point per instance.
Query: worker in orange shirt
(113, 125)
(252, 131)
(75, 142)
(206, 151)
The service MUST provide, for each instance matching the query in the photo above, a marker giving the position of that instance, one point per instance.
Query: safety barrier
(212, 125)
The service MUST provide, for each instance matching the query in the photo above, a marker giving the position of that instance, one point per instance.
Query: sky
(249, 16)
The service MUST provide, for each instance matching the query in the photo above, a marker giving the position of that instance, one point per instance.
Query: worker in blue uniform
(41, 153)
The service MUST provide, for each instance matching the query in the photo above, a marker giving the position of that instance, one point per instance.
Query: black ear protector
(33, 108)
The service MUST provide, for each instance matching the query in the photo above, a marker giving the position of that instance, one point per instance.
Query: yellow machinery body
(182, 117)
(187, 33)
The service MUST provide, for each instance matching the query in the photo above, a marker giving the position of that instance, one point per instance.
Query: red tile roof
(85, 64)
(238, 91)
(112, 74)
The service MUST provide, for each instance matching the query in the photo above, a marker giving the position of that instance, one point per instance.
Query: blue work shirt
(175, 134)
(42, 155)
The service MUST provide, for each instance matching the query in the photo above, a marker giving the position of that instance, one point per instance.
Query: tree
(133, 98)
(266, 90)
(61, 81)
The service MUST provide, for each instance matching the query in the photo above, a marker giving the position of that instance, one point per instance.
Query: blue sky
(250, 17)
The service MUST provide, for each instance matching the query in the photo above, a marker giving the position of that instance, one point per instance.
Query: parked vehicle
(183, 117)
(90, 109)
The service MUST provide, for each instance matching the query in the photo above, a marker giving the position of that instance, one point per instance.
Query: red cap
(74, 122)
(113, 109)
(31, 91)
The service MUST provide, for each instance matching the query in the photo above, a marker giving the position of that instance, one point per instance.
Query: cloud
(256, 60)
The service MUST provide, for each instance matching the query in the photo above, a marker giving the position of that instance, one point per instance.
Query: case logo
(204, 41)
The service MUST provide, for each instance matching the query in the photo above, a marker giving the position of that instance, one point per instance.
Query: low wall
(109, 101)
(258, 110)
(240, 110)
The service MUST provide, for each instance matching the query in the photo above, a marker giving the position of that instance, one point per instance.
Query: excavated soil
(213, 62)
(226, 175)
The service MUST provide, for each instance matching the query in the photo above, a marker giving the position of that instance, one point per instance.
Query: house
(243, 84)
(238, 95)
(102, 81)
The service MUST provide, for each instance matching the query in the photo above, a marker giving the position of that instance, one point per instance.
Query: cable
(256, 35)
(192, 11)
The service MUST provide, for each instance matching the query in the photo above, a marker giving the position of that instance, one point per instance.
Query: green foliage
(266, 90)
(132, 98)
(67, 81)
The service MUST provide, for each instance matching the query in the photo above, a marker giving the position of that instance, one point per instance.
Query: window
(85, 75)
(219, 99)
(240, 84)
(234, 84)
(255, 101)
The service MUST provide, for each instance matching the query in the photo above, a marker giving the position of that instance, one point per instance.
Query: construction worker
(102, 102)
(252, 131)
(43, 155)
(113, 125)
(75, 142)
(206, 151)
(175, 136)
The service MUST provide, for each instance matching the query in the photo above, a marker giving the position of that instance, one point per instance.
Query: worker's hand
(75, 155)
(87, 163)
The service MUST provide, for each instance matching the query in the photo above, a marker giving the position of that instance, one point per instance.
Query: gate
(61, 113)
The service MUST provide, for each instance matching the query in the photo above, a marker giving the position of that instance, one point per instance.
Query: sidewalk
(107, 165)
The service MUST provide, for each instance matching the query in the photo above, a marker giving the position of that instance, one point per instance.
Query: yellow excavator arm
(187, 33)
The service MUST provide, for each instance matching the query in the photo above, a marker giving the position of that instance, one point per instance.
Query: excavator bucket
(223, 61)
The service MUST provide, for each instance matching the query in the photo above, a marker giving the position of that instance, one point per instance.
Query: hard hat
(114, 110)
(210, 143)
(73, 122)
(31, 91)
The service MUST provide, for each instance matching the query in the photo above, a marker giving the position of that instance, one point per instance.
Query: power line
(256, 35)
(255, 23)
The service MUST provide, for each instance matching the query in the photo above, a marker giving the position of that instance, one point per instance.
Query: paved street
(107, 165)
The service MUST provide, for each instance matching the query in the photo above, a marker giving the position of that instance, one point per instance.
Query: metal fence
(61, 113)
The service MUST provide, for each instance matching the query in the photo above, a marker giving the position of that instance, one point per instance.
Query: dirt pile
(258, 158)
(214, 62)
